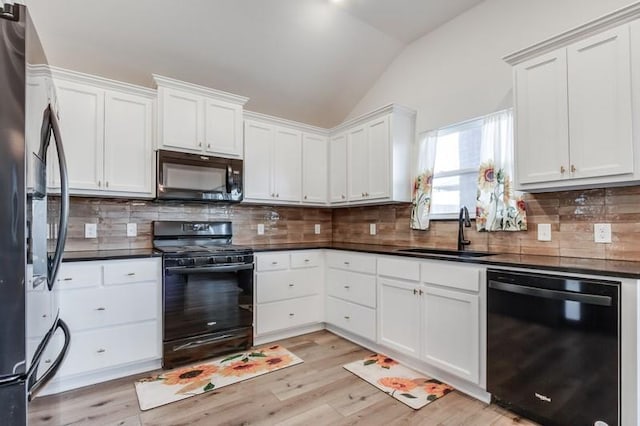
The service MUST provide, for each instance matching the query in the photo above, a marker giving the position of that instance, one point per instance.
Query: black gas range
(207, 291)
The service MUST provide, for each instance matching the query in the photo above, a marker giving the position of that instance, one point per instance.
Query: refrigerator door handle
(33, 383)
(51, 124)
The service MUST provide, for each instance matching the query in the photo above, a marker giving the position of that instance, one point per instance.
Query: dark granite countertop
(86, 255)
(616, 268)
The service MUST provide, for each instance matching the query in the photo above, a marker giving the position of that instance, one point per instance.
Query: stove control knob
(240, 259)
(212, 260)
(229, 259)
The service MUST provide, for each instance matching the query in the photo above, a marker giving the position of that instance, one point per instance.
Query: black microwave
(195, 177)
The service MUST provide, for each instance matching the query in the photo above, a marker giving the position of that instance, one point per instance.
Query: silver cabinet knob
(347, 317)
(343, 196)
(347, 287)
(291, 285)
(106, 184)
(101, 351)
(274, 263)
(292, 315)
(130, 274)
(99, 183)
(208, 145)
(305, 197)
(101, 308)
(200, 144)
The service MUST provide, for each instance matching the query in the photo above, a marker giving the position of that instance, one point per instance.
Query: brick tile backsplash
(570, 213)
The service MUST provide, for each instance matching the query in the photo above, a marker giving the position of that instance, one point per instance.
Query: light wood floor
(317, 392)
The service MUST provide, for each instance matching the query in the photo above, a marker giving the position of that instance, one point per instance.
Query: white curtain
(422, 184)
(498, 207)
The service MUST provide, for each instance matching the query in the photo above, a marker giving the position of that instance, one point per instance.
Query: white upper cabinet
(574, 104)
(107, 132)
(282, 160)
(81, 109)
(314, 169)
(198, 119)
(378, 164)
(338, 169)
(128, 129)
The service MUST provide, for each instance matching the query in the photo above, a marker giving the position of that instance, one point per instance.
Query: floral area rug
(181, 383)
(402, 383)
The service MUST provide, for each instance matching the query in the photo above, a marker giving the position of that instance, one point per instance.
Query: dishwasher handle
(590, 299)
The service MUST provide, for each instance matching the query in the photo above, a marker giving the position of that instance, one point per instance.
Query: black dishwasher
(553, 347)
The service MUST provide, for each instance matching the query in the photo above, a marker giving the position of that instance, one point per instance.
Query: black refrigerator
(28, 125)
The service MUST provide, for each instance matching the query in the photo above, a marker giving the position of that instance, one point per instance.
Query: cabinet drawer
(89, 308)
(455, 276)
(352, 262)
(287, 313)
(305, 259)
(280, 285)
(272, 261)
(352, 286)
(96, 349)
(131, 271)
(351, 317)
(399, 268)
(78, 275)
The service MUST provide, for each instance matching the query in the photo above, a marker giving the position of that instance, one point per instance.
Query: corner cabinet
(198, 119)
(284, 162)
(574, 103)
(107, 131)
(378, 164)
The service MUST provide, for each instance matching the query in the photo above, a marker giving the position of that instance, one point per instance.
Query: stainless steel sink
(440, 252)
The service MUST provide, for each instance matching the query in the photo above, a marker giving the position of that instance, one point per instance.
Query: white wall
(456, 72)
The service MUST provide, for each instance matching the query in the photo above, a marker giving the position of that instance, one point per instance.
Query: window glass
(456, 169)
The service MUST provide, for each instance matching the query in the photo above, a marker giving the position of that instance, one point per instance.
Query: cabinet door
(379, 158)
(258, 143)
(223, 128)
(181, 123)
(600, 112)
(451, 332)
(338, 169)
(81, 111)
(358, 160)
(399, 316)
(542, 135)
(128, 161)
(287, 164)
(314, 169)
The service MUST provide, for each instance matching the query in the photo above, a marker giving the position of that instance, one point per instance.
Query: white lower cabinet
(113, 309)
(430, 310)
(351, 293)
(288, 291)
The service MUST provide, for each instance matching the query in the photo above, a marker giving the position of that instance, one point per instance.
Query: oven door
(207, 311)
(183, 176)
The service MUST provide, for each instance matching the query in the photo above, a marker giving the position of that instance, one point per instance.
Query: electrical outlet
(261, 229)
(602, 232)
(372, 229)
(91, 230)
(316, 228)
(132, 229)
(544, 232)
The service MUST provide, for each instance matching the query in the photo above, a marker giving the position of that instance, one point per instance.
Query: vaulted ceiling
(305, 60)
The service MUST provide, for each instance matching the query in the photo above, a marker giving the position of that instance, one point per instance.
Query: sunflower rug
(181, 383)
(400, 382)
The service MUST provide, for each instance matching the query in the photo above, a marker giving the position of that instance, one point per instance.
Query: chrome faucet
(463, 222)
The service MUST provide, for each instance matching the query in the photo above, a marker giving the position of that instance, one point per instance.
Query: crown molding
(277, 121)
(610, 20)
(172, 83)
(106, 83)
(387, 109)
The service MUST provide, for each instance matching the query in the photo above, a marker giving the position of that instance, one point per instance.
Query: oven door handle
(207, 269)
(198, 343)
(590, 299)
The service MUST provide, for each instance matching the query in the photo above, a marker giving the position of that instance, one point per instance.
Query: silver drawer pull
(307, 260)
(346, 263)
(347, 317)
(347, 287)
(101, 351)
(291, 315)
(415, 291)
(44, 315)
(291, 285)
(274, 263)
(47, 361)
(131, 274)
(67, 279)
(101, 308)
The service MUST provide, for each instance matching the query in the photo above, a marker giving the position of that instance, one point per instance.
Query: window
(456, 167)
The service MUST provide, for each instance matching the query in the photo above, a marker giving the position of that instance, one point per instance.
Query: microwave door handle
(229, 178)
(54, 264)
